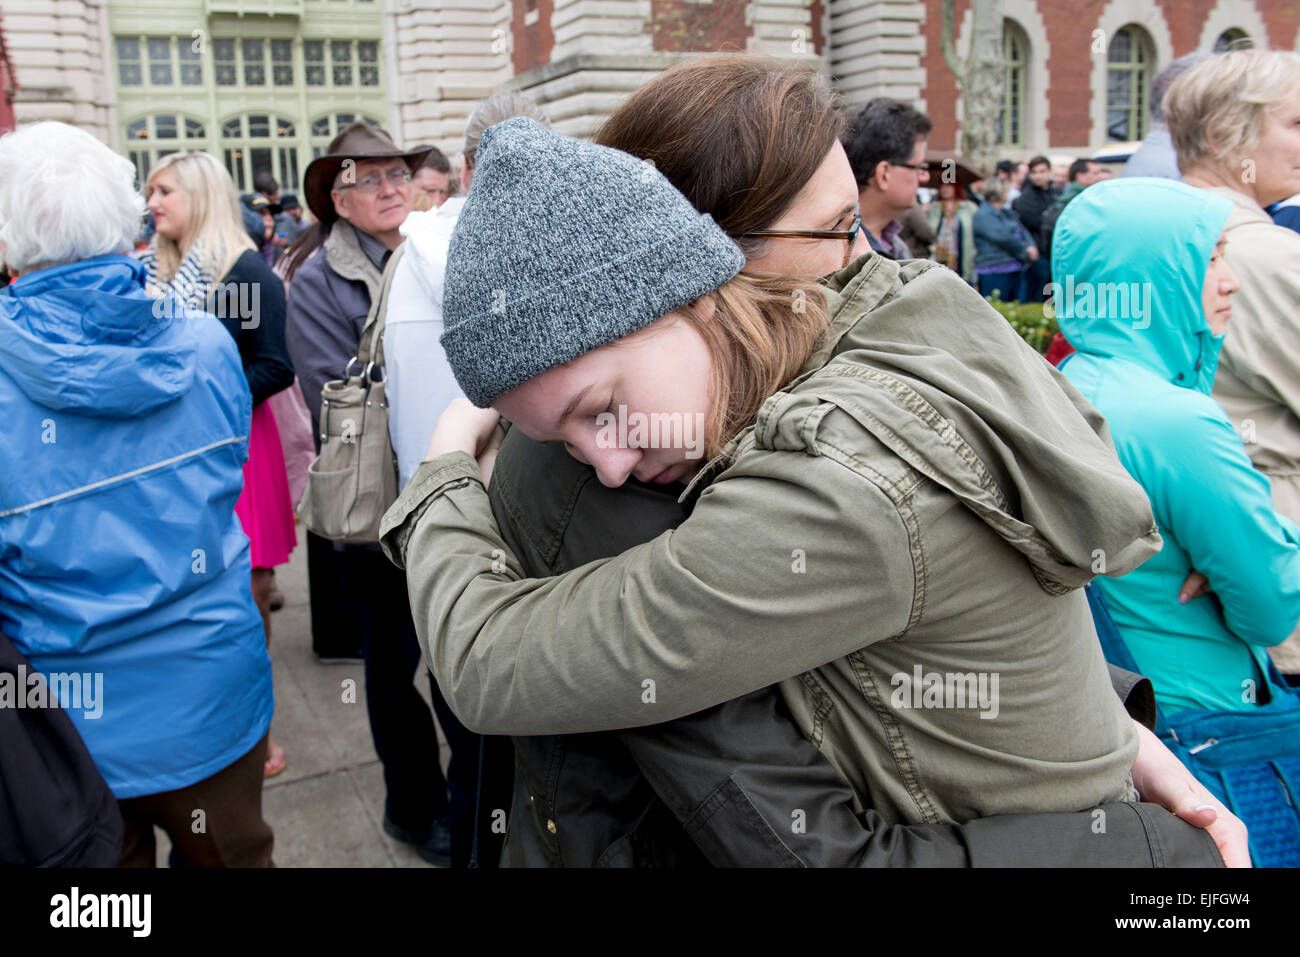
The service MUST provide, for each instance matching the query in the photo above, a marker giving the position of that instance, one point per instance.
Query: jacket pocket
(733, 833)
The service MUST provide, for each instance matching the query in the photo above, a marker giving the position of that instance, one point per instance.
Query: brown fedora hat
(358, 141)
(947, 166)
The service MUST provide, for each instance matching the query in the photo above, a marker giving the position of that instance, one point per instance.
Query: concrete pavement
(327, 806)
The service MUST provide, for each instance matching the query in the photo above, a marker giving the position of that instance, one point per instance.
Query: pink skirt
(264, 508)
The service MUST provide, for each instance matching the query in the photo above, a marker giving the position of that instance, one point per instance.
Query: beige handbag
(353, 480)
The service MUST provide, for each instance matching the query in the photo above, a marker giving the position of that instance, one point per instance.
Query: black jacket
(249, 301)
(1030, 206)
(738, 784)
(55, 808)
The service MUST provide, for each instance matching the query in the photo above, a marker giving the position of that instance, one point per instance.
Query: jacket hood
(941, 378)
(1128, 265)
(86, 338)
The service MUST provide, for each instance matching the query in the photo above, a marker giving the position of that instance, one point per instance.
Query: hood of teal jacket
(1128, 265)
(86, 338)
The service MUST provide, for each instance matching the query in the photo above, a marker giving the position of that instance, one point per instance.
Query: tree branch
(948, 35)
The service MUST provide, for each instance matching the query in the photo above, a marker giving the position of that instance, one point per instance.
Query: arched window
(1232, 39)
(1131, 59)
(260, 141)
(325, 128)
(152, 137)
(1015, 54)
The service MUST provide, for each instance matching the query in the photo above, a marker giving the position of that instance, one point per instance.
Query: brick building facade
(1076, 79)
(1077, 70)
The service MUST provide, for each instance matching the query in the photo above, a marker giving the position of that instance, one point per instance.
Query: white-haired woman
(1235, 123)
(122, 567)
(202, 255)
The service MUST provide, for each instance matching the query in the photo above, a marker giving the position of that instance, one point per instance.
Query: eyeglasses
(919, 167)
(849, 237)
(370, 184)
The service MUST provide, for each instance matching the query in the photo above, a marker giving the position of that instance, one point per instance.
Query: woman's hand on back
(1162, 779)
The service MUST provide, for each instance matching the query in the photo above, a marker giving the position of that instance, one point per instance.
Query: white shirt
(420, 381)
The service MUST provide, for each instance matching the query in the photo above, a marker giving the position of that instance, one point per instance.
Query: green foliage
(1029, 320)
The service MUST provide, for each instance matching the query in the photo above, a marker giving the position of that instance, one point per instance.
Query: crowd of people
(915, 596)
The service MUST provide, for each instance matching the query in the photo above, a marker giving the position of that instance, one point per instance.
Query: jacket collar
(112, 273)
(853, 291)
(343, 254)
(1248, 209)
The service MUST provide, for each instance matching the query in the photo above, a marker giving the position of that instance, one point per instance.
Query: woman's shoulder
(250, 267)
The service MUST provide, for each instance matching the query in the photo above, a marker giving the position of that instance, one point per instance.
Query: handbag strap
(372, 333)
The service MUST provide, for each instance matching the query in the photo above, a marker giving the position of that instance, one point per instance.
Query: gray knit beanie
(562, 247)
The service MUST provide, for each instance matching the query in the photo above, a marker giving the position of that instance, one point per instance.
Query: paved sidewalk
(327, 806)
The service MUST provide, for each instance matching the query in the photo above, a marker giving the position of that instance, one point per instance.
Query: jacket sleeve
(752, 791)
(1000, 232)
(1029, 209)
(1138, 694)
(1205, 491)
(261, 324)
(320, 333)
(698, 616)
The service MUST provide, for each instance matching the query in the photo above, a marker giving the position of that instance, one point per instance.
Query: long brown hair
(739, 135)
(761, 332)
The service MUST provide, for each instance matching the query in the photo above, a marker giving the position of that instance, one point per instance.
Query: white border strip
(125, 475)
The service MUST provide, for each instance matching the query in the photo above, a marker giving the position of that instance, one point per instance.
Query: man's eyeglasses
(919, 167)
(370, 184)
(849, 237)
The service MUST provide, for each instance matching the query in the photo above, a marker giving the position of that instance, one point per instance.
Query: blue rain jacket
(125, 432)
(1129, 262)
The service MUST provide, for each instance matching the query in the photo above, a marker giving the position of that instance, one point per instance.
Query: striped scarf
(191, 284)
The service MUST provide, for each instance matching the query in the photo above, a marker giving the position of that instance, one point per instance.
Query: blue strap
(1112, 645)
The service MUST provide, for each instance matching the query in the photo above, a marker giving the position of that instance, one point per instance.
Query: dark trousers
(1036, 277)
(215, 823)
(371, 601)
(1006, 284)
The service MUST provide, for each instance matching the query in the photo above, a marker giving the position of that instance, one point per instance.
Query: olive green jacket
(925, 501)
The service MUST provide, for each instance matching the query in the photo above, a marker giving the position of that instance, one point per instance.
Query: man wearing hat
(359, 193)
(265, 238)
(290, 221)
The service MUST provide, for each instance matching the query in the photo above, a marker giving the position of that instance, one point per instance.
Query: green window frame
(253, 63)
(1130, 61)
(255, 141)
(325, 128)
(341, 64)
(149, 138)
(157, 62)
(1015, 54)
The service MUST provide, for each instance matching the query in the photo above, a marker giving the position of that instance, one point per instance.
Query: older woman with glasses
(1235, 122)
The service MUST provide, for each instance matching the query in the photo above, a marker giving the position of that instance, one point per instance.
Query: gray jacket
(329, 299)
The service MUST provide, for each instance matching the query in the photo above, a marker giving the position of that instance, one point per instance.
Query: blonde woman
(202, 256)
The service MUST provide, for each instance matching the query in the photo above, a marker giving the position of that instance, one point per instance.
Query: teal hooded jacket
(1128, 265)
